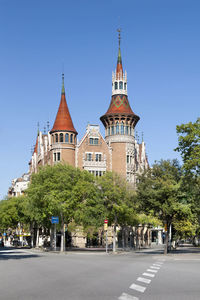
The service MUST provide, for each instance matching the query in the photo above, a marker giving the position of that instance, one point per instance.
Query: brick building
(119, 151)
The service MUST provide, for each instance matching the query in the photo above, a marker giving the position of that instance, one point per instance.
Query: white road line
(125, 296)
(148, 274)
(145, 280)
(158, 265)
(153, 271)
(137, 287)
(153, 267)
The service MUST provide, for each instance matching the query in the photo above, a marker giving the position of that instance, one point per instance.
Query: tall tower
(63, 134)
(119, 122)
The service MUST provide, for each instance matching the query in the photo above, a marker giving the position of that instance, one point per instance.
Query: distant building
(119, 151)
(19, 185)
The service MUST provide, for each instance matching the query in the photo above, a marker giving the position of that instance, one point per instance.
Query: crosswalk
(144, 280)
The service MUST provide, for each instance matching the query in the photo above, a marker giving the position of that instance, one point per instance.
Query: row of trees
(167, 192)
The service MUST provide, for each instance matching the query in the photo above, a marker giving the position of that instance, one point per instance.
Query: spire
(63, 85)
(119, 69)
(119, 58)
(63, 121)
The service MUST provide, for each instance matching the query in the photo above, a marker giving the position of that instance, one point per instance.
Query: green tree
(50, 194)
(159, 191)
(12, 212)
(118, 202)
(189, 145)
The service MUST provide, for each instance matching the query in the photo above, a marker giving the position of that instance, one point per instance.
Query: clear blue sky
(160, 51)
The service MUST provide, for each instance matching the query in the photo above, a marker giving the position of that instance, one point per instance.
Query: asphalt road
(27, 275)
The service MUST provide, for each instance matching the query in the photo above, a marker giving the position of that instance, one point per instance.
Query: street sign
(54, 220)
(4, 234)
(105, 226)
(105, 221)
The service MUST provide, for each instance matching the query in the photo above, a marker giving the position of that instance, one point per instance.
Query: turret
(63, 134)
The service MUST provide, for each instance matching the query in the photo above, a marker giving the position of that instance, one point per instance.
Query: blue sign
(54, 220)
(4, 234)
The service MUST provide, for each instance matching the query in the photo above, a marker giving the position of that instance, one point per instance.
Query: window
(126, 129)
(89, 156)
(109, 130)
(61, 138)
(98, 157)
(66, 138)
(52, 138)
(91, 141)
(56, 135)
(112, 130)
(127, 159)
(125, 85)
(116, 85)
(122, 128)
(120, 85)
(56, 156)
(71, 138)
(96, 141)
(130, 130)
(117, 127)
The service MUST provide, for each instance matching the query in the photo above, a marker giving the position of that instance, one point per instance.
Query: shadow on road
(186, 249)
(13, 253)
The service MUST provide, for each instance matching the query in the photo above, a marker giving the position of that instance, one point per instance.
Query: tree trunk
(114, 239)
(166, 241)
(62, 242)
(37, 237)
(32, 234)
(123, 238)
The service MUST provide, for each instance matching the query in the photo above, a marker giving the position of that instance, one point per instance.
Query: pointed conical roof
(63, 121)
(119, 105)
(36, 146)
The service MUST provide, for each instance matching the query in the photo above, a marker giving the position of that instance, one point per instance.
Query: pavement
(27, 274)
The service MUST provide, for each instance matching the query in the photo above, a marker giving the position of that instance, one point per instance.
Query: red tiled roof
(119, 104)
(63, 119)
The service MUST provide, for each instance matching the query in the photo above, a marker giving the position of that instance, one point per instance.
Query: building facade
(118, 151)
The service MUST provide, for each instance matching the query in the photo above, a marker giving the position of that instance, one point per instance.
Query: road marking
(145, 280)
(137, 287)
(158, 265)
(153, 267)
(125, 296)
(153, 271)
(148, 274)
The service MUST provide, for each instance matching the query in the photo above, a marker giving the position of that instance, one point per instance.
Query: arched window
(117, 127)
(61, 138)
(56, 135)
(109, 130)
(52, 138)
(120, 85)
(130, 130)
(71, 138)
(116, 85)
(112, 130)
(66, 138)
(122, 128)
(125, 85)
(126, 129)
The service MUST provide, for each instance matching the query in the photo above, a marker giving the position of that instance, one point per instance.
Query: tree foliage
(189, 145)
(159, 191)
